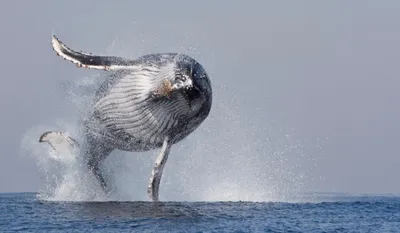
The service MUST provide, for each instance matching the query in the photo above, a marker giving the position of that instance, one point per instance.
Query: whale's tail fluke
(87, 60)
(60, 142)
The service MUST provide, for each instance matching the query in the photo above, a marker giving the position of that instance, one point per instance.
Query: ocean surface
(25, 212)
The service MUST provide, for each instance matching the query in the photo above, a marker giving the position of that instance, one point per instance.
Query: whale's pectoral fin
(90, 61)
(60, 142)
(156, 173)
(94, 152)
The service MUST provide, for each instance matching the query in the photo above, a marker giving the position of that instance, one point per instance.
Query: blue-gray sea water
(24, 212)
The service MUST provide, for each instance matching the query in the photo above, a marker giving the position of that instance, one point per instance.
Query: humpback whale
(151, 102)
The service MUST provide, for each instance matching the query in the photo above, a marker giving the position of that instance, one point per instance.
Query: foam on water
(229, 158)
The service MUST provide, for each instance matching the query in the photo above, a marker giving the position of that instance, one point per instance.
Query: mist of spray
(230, 157)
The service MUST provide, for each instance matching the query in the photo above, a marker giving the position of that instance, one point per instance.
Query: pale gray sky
(324, 75)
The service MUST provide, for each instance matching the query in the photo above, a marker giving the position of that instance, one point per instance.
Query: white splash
(226, 159)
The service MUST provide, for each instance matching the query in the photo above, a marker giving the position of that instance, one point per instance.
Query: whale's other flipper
(91, 61)
(156, 173)
(63, 144)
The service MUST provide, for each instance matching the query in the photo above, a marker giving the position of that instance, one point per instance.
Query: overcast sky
(309, 86)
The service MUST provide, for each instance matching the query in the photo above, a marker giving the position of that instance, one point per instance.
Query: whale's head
(191, 81)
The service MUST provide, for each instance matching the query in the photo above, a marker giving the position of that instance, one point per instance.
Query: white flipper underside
(156, 173)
